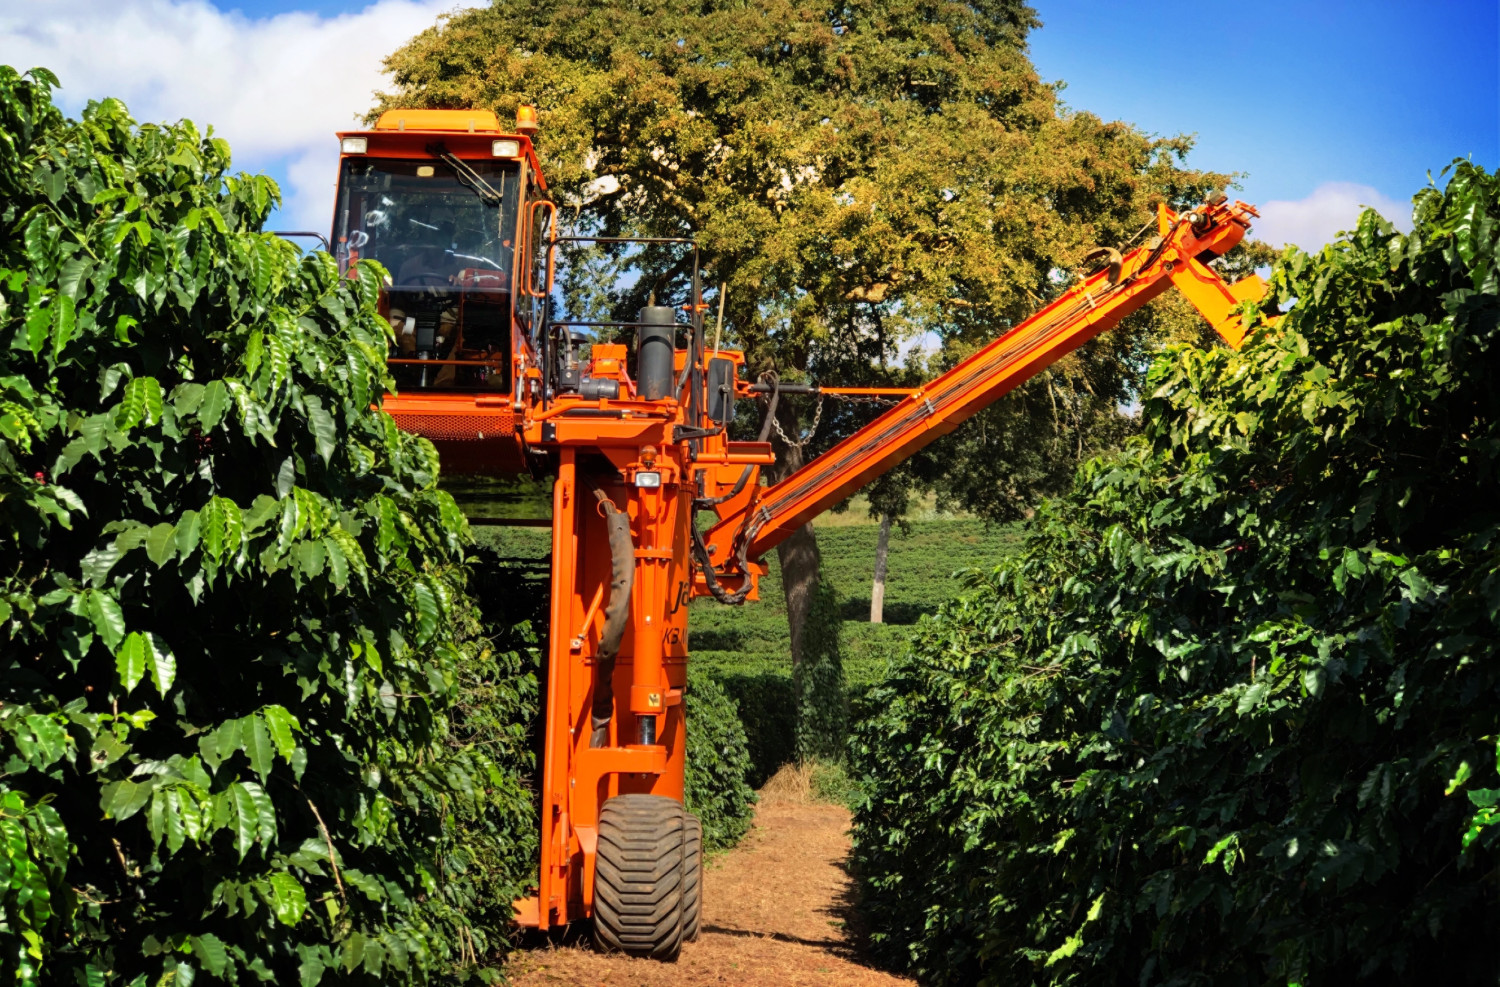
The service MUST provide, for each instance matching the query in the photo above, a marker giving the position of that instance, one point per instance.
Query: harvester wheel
(692, 879)
(638, 876)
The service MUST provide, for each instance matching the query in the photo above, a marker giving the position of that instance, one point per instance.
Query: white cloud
(276, 88)
(307, 193)
(1331, 208)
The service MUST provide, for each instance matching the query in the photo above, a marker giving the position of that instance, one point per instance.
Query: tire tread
(639, 876)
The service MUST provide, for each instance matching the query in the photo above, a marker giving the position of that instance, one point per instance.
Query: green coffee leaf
(141, 403)
(130, 661)
(220, 524)
(64, 323)
(50, 737)
(187, 398)
(338, 563)
(288, 899)
(214, 403)
(210, 951)
(161, 543)
(188, 528)
(428, 614)
(160, 663)
(38, 326)
(281, 725)
(324, 431)
(74, 273)
(123, 799)
(104, 613)
(256, 742)
(242, 816)
(110, 377)
(98, 564)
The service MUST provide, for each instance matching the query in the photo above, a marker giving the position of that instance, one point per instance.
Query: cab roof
(469, 133)
(450, 121)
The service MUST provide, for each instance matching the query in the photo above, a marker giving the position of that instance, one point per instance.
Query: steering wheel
(426, 279)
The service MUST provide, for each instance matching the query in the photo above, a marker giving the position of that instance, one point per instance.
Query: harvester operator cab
(434, 196)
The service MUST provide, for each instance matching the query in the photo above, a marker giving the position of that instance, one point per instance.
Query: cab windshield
(421, 221)
(447, 237)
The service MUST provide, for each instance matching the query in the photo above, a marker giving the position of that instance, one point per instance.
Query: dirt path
(774, 913)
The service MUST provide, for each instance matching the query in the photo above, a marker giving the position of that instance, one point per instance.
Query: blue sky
(1324, 106)
(1295, 94)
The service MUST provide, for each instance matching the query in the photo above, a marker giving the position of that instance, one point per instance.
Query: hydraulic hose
(700, 550)
(616, 618)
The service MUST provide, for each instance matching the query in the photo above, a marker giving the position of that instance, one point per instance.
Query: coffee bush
(1230, 717)
(232, 595)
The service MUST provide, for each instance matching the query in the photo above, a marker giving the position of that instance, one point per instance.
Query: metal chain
(806, 436)
(818, 414)
(865, 399)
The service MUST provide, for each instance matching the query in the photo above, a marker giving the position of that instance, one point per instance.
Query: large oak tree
(860, 175)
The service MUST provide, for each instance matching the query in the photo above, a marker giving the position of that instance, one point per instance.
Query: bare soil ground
(775, 912)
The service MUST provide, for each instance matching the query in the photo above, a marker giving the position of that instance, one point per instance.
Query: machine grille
(459, 427)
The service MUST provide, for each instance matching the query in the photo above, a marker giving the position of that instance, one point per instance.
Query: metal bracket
(686, 433)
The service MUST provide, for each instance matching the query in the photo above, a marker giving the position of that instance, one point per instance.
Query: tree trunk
(800, 563)
(800, 560)
(877, 588)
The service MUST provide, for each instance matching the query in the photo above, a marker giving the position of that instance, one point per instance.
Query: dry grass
(792, 785)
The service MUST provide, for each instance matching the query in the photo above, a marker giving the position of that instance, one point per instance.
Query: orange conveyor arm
(1177, 257)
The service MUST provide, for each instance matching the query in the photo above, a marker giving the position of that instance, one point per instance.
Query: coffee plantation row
(1230, 717)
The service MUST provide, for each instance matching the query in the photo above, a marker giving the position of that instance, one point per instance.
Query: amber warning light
(526, 119)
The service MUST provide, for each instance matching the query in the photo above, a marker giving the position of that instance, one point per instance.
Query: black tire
(638, 876)
(692, 879)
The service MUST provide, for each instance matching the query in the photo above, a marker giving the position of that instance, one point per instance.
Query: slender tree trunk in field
(877, 588)
(798, 554)
(800, 563)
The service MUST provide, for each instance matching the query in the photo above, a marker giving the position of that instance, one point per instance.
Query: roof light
(526, 119)
(648, 479)
(507, 149)
(355, 145)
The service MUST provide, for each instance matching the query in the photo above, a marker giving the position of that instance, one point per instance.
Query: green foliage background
(233, 598)
(746, 649)
(1215, 724)
(718, 763)
(818, 681)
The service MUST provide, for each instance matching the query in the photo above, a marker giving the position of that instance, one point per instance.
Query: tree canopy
(863, 171)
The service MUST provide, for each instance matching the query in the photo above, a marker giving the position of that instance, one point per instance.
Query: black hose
(712, 578)
(701, 502)
(616, 618)
(769, 377)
